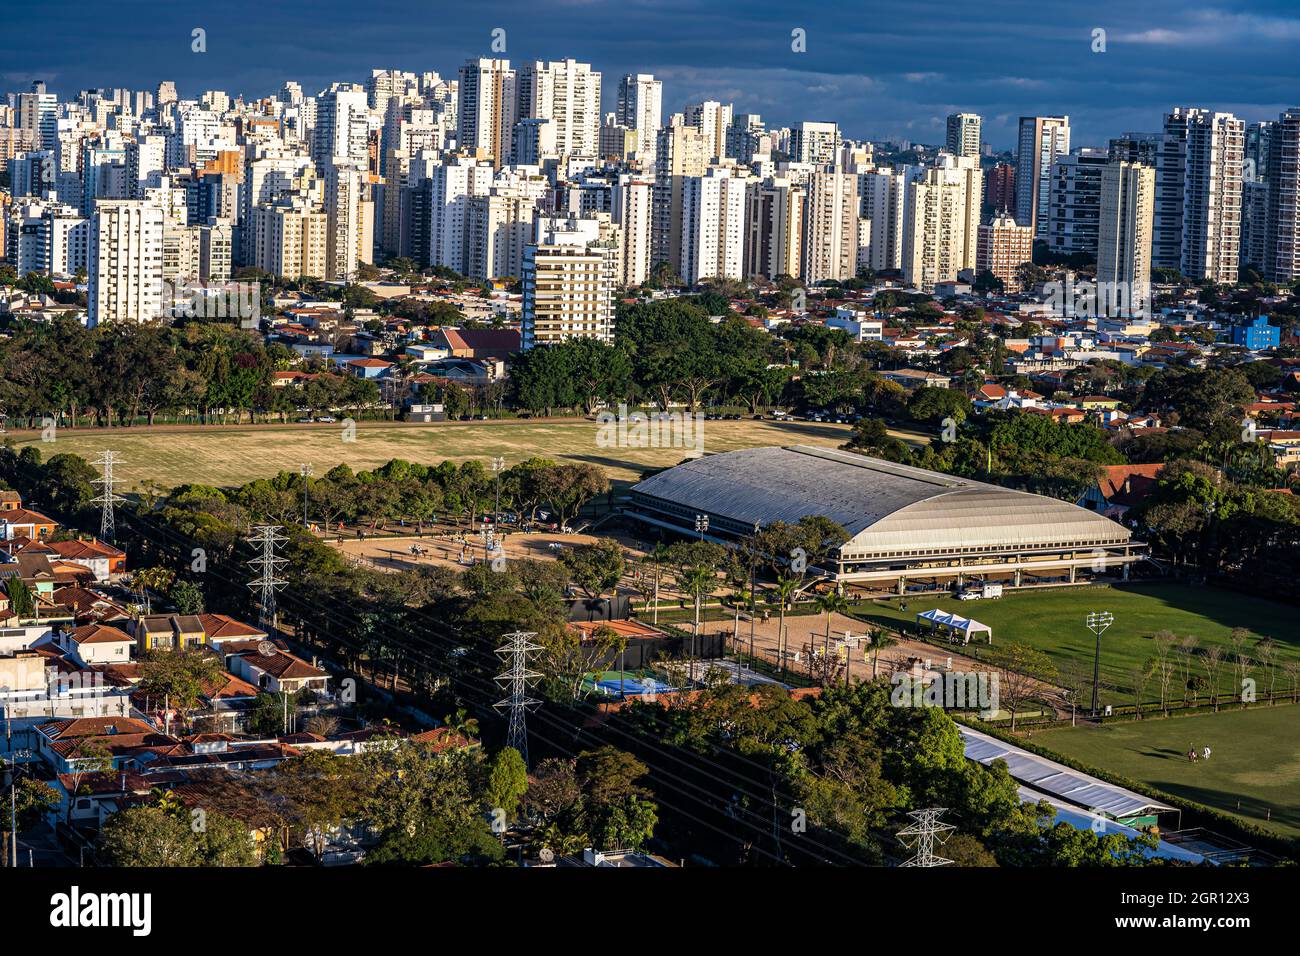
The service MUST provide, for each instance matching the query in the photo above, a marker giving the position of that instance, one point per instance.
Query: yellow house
(169, 632)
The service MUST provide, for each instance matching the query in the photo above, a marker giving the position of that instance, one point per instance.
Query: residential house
(1120, 488)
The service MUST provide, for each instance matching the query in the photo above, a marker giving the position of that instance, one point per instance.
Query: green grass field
(1255, 759)
(1053, 621)
(231, 455)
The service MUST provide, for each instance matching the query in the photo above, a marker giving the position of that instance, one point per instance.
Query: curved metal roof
(883, 506)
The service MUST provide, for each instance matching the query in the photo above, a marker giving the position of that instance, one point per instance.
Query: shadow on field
(1251, 808)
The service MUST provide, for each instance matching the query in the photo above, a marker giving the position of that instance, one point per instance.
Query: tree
(1164, 665)
(187, 597)
(21, 601)
(785, 590)
(881, 640)
(616, 810)
(149, 836)
(318, 792)
(1020, 669)
(830, 603)
(179, 678)
(32, 802)
(1211, 658)
(507, 780)
(596, 568)
(166, 834)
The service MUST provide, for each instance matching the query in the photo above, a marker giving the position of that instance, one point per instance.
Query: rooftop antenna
(927, 830)
(107, 497)
(267, 563)
(515, 681)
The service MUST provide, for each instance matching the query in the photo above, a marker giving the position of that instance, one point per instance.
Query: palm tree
(462, 723)
(785, 588)
(697, 581)
(881, 640)
(832, 602)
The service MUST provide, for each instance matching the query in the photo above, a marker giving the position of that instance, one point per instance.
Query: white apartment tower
(1128, 199)
(342, 126)
(487, 107)
(712, 119)
(1198, 194)
(964, 134)
(830, 245)
(774, 245)
(632, 210)
(569, 277)
(817, 144)
(941, 222)
(640, 108)
(125, 261)
(713, 226)
(567, 92)
(1281, 258)
(350, 215)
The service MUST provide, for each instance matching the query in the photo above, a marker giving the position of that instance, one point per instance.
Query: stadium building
(909, 529)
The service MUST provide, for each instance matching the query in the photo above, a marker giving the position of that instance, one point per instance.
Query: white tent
(955, 623)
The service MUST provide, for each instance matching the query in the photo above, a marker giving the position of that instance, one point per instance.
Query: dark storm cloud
(893, 68)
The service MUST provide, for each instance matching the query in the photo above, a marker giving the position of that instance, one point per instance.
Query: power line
(446, 639)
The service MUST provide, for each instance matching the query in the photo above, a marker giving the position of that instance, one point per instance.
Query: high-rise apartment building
(1000, 188)
(568, 93)
(1281, 248)
(815, 143)
(830, 245)
(1074, 201)
(712, 119)
(1127, 215)
(632, 210)
(682, 152)
(774, 220)
(941, 222)
(1197, 227)
(569, 276)
(1043, 139)
(125, 261)
(964, 134)
(640, 108)
(1004, 246)
(342, 126)
(487, 107)
(713, 226)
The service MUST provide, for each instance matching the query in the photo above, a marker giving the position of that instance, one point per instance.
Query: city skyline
(877, 82)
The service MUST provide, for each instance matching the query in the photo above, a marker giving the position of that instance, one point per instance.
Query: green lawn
(1053, 621)
(1254, 762)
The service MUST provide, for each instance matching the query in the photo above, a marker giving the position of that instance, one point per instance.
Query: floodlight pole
(306, 470)
(1097, 622)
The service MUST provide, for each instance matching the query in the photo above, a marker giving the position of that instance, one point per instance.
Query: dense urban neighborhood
(445, 471)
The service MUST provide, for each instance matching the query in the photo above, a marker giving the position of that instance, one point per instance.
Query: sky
(887, 69)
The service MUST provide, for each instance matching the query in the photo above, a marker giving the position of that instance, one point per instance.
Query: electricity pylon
(107, 497)
(267, 563)
(515, 682)
(927, 830)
